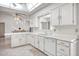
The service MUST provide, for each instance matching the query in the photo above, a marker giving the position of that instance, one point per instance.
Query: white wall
(10, 23)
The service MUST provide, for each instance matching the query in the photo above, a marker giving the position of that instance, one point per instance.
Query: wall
(10, 23)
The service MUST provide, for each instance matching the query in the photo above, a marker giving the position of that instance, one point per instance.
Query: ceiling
(24, 8)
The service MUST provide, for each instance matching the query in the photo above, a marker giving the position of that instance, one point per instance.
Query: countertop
(69, 38)
(65, 37)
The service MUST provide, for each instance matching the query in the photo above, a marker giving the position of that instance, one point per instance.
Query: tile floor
(27, 50)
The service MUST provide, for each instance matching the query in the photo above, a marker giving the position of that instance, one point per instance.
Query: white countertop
(21, 33)
(69, 38)
(66, 37)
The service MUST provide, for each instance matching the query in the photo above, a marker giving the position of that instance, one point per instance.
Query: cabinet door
(36, 41)
(47, 45)
(66, 13)
(63, 48)
(53, 46)
(50, 46)
(55, 16)
(32, 39)
(41, 43)
(28, 37)
(14, 40)
(22, 39)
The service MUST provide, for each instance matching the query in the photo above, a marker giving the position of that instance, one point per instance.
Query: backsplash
(69, 30)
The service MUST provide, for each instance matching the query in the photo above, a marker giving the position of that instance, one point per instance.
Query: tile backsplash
(66, 30)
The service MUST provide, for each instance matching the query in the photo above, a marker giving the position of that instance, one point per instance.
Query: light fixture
(17, 17)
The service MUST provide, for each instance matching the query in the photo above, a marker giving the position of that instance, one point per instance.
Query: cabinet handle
(59, 17)
(73, 21)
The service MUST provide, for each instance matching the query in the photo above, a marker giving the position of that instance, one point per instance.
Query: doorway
(2, 34)
(2, 30)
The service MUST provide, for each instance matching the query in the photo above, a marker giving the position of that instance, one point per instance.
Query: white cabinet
(41, 43)
(50, 46)
(67, 14)
(36, 41)
(55, 17)
(64, 15)
(34, 22)
(63, 48)
(18, 40)
(28, 38)
(44, 21)
(14, 41)
(23, 39)
(32, 39)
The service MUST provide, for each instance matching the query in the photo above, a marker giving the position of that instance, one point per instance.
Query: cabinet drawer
(61, 54)
(63, 43)
(63, 50)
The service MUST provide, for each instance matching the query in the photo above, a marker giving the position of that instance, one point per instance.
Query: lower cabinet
(31, 39)
(23, 39)
(18, 40)
(36, 41)
(63, 48)
(15, 41)
(50, 46)
(41, 43)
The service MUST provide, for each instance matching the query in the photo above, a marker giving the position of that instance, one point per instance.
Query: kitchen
(51, 28)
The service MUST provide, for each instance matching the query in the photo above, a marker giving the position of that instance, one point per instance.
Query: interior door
(2, 29)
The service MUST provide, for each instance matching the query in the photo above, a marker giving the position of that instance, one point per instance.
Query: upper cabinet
(67, 14)
(33, 21)
(44, 22)
(64, 15)
(54, 16)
